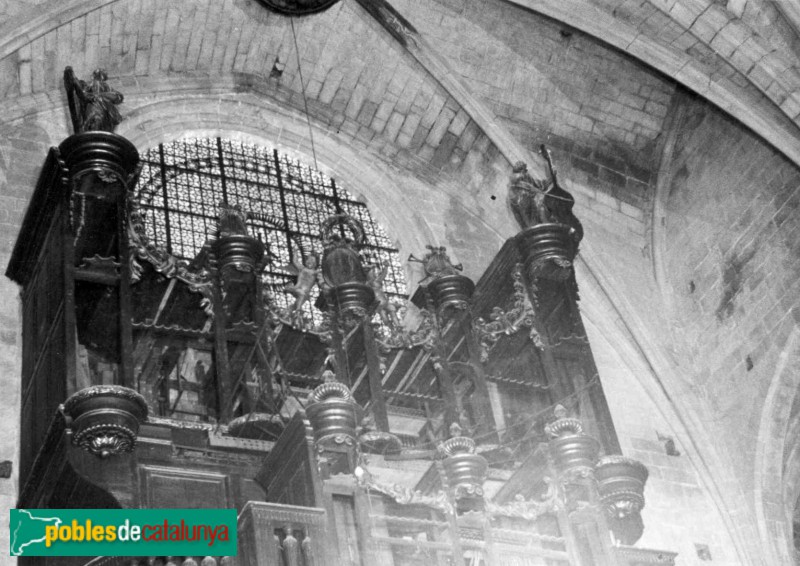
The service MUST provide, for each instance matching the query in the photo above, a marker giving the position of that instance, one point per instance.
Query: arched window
(182, 184)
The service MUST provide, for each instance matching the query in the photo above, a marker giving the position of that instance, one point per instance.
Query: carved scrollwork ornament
(352, 311)
(298, 319)
(576, 474)
(521, 508)
(380, 442)
(425, 334)
(105, 441)
(623, 503)
(520, 314)
(407, 496)
(143, 249)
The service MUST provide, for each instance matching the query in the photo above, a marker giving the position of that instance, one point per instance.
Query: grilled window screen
(183, 182)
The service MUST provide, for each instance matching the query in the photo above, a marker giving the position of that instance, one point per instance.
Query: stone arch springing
(777, 464)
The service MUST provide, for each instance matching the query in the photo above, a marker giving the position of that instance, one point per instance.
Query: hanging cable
(303, 91)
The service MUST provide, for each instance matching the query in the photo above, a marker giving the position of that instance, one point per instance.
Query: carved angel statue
(455, 430)
(308, 274)
(526, 196)
(437, 263)
(536, 202)
(376, 276)
(92, 105)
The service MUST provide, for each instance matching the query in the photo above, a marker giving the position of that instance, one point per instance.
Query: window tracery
(183, 183)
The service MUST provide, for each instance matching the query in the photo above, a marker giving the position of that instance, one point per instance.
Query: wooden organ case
(469, 425)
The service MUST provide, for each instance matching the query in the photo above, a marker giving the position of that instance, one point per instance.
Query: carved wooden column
(378, 405)
(446, 294)
(72, 259)
(236, 260)
(547, 246)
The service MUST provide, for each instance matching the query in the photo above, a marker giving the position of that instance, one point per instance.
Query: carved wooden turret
(550, 231)
(72, 255)
(345, 279)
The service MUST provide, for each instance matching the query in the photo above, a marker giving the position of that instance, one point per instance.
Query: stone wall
(22, 151)
(547, 83)
(679, 515)
(733, 261)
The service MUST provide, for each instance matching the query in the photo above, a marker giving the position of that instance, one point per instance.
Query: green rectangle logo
(123, 532)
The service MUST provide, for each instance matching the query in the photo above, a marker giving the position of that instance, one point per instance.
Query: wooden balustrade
(162, 561)
(422, 541)
(269, 534)
(272, 534)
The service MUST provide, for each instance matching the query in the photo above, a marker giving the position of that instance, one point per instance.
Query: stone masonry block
(684, 14)
(440, 127)
(357, 98)
(410, 126)
(393, 125)
(716, 16)
(367, 113)
(459, 122)
(432, 111)
(468, 137)
(418, 139)
(330, 86)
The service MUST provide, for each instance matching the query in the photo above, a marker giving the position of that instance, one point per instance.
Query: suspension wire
(303, 91)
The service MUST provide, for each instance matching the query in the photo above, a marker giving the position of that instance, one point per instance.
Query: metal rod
(303, 91)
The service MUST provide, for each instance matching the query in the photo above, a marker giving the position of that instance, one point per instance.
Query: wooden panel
(45, 343)
(289, 473)
(347, 530)
(47, 197)
(178, 488)
(589, 401)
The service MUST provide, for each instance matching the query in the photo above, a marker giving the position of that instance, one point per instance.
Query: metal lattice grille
(183, 183)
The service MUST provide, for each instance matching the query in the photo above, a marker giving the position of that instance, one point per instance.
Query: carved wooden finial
(232, 220)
